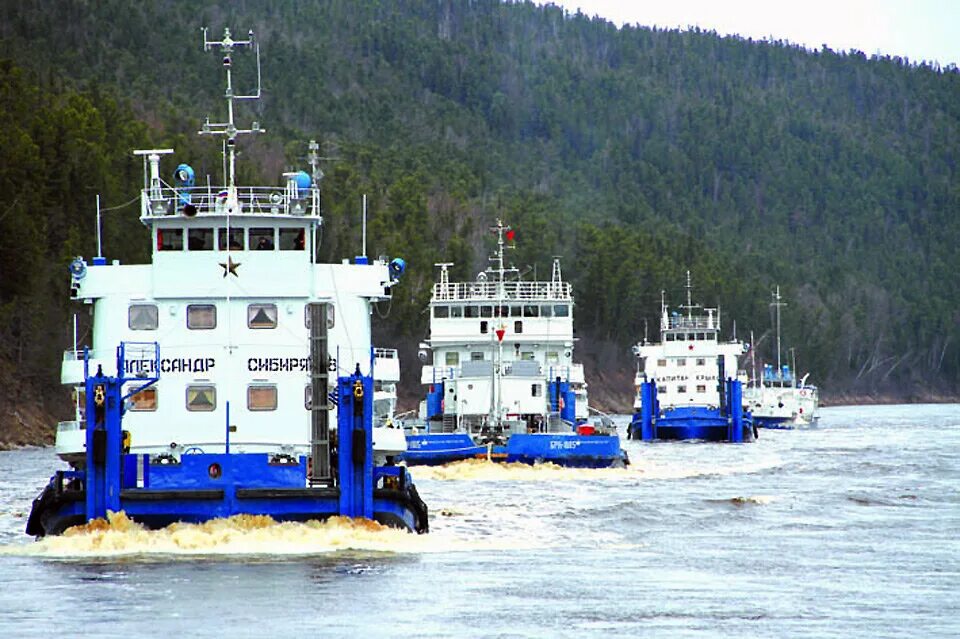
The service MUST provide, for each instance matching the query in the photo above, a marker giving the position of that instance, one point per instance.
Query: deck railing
(456, 291)
(250, 200)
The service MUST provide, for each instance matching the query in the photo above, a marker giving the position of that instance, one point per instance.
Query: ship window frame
(552, 357)
(546, 310)
(197, 308)
(197, 387)
(702, 337)
(252, 388)
(331, 315)
(484, 327)
(701, 361)
(263, 234)
(252, 309)
(441, 311)
(486, 311)
(175, 236)
(135, 404)
(561, 310)
(471, 311)
(681, 361)
(235, 232)
(139, 306)
(451, 358)
(531, 310)
(299, 236)
(527, 356)
(662, 363)
(536, 390)
(210, 241)
(474, 358)
(669, 337)
(701, 388)
(308, 397)
(516, 310)
(456, 311)
(682, 388)
(662, 390)
(518, 326)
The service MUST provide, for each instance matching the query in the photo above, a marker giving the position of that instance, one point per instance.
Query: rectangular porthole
(261, 397)
(145, 400)
(143, 317)
(201, 316)
(452, 358)
(201, 398)
(262, 316)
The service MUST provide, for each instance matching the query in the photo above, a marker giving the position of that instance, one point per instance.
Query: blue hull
(570, 450)
(693, 423)
(244, 485)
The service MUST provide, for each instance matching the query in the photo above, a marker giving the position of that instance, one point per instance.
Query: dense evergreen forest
(634, 153)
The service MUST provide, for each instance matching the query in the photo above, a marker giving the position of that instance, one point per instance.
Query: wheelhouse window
(201, 316)
(670, 337)
(516, 311)
(142, 317)
(452, 358)
(261, 397)
(145, 400)
(169, 239)
(200, 239)
(201, 398)
(291, 239)
(531, 311)
(546, 310)
(262, 316)
(471, 311)
(261, 239)
(441, 312)
(561, 310)
(486, 311)
(236, 239)
(456, 311)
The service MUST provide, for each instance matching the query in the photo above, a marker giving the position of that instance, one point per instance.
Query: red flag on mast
(511, 234)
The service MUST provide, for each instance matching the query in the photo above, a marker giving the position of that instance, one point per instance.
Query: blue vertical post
(647, 394)
(355, 445)
(736, 410)
(103, 445)
(569, 410)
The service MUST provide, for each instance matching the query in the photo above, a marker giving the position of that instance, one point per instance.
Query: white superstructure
(776, 396)
(235, 274)
(497, 344)
(690, 362)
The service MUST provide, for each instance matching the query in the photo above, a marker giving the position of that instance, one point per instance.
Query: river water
(848, 529)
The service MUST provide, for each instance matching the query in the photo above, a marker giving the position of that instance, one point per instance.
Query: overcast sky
(917, 29)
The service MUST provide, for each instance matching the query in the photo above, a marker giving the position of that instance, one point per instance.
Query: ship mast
(776, 303)
(229, 128)
(500, 270)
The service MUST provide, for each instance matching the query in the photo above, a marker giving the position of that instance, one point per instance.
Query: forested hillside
(633, 153)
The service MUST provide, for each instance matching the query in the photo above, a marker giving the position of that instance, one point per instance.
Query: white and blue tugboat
(776, 398)
(503, 384)
(243, 364)
(687, 384)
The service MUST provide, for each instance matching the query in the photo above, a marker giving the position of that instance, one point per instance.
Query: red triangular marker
(510, 235)
(500, 332)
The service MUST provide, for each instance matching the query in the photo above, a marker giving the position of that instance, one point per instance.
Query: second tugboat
(503, 384)
(687, 385)
(243, 363)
